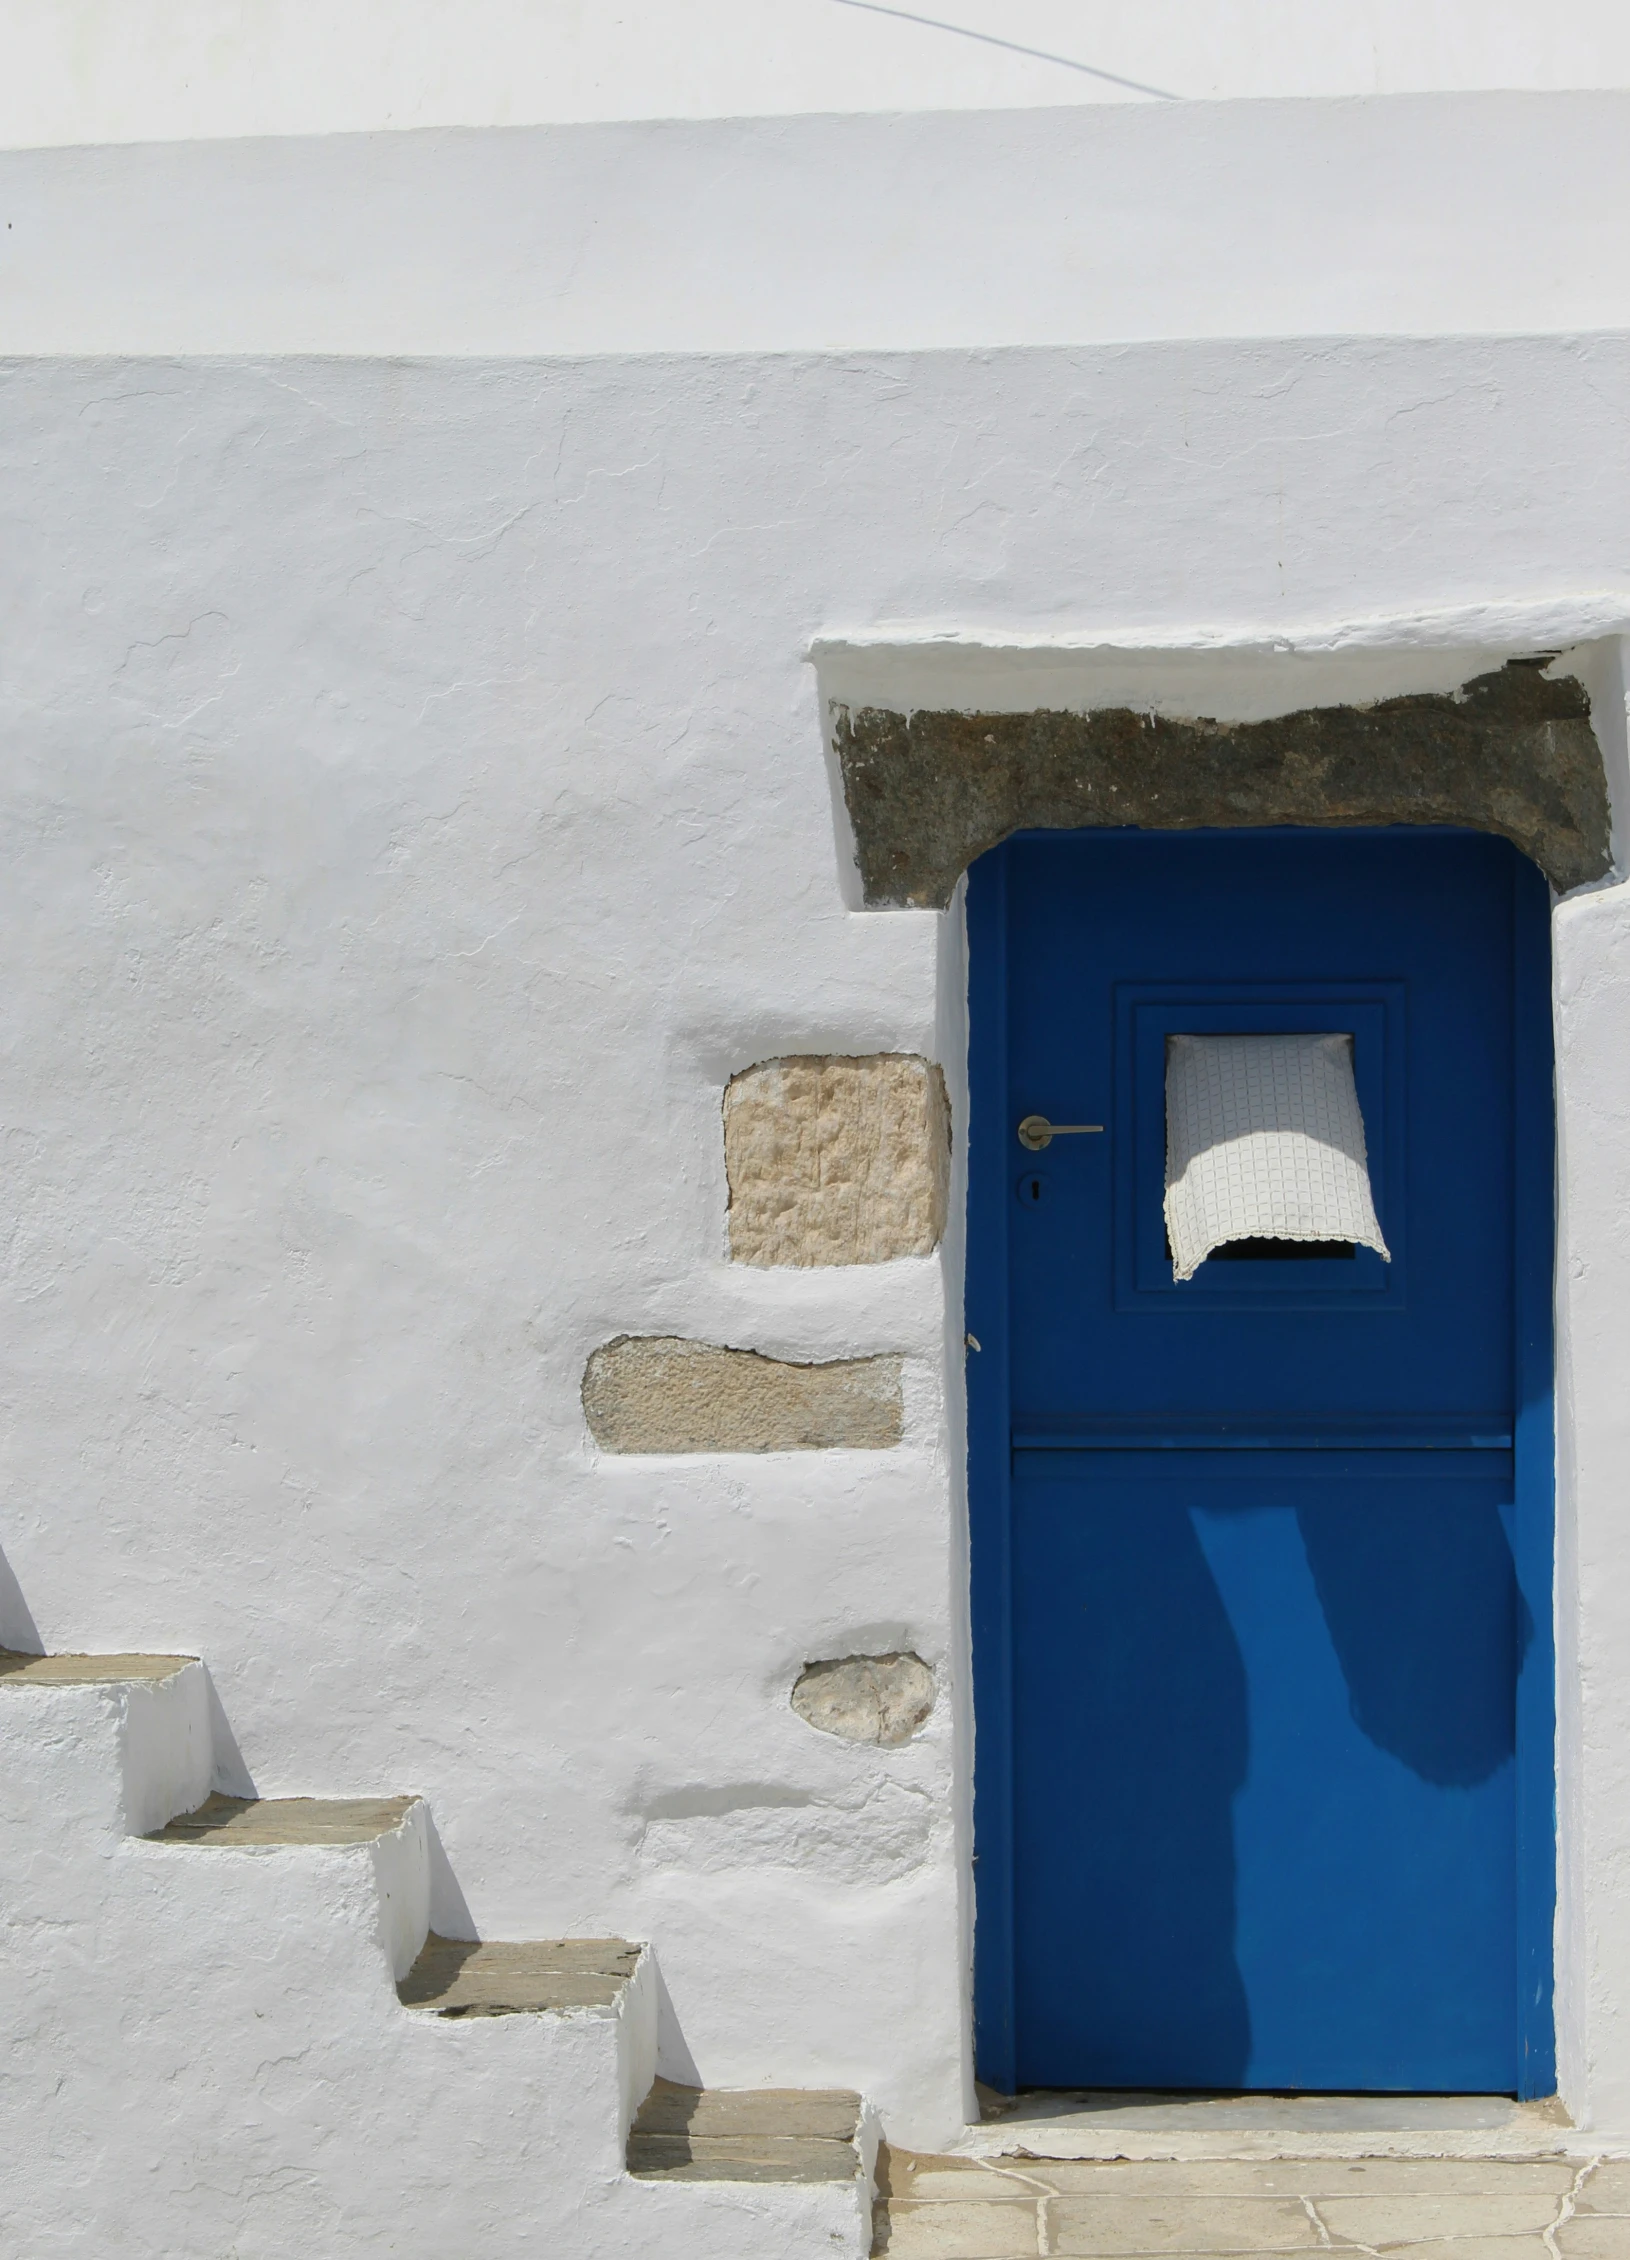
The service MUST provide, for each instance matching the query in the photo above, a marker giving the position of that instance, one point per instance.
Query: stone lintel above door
(1511, 752)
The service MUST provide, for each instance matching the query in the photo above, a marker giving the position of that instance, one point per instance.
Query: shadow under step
(704, 2134)
(465, 1977)
(241, 1822)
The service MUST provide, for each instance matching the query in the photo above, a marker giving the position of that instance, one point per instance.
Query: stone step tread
(740, 2158)
(462, 1977)
(19, 1670)
(832, 2113)
(232, 1823)
(745, 2134)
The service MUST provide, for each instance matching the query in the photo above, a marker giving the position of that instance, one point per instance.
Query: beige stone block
(837, 1160)
(881, 1699)
(908, 2231)
(1116, 2228)
(657, 1393)
(1395, 2220)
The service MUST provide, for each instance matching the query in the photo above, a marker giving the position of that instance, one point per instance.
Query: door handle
(1035, 1131)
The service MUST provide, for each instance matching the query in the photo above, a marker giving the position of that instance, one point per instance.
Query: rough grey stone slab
(240, 1822)
(831, 2113)
(658, 1393)
(837, 1160)
(1510, 753)
(18, 1670)
(878, 1699)
(461, 1977)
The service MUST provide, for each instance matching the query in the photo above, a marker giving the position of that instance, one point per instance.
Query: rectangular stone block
(658, 1393)
(837, 1160)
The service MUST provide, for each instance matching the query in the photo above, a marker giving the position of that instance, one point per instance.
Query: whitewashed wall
(161, 70)
(413, 809)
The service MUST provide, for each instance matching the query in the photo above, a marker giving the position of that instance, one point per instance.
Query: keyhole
(1032, 1188)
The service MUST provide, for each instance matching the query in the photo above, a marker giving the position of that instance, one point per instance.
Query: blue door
(1261, 1559)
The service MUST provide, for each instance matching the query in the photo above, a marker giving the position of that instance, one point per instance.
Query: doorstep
(1101, 2124)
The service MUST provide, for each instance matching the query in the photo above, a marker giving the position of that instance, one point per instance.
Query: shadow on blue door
(1250, 1703)
(1428, 1676)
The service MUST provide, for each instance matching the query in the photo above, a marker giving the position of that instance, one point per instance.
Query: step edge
(408, 1801)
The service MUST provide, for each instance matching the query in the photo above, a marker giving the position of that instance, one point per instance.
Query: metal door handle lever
(1035, 1131)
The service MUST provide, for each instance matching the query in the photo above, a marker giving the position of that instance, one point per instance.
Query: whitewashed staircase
(228, 2034)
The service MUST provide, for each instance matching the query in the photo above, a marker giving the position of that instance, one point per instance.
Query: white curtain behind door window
(1264, 1140)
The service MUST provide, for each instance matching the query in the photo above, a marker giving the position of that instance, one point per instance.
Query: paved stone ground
(1406, 2208)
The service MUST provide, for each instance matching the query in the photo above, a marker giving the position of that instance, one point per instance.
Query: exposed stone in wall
(866, 1698)
(837, 1160)
(1511, 753)
(658, 1393)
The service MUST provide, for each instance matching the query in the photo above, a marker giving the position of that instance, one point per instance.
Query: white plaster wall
(412, 809)
(159, 70)
(1592, 989)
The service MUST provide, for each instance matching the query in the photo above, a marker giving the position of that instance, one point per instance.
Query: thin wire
(1036, 54)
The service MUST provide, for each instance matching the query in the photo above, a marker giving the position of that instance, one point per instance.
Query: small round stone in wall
(882, 1699)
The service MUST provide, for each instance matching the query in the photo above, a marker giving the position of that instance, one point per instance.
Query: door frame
(990, 1472)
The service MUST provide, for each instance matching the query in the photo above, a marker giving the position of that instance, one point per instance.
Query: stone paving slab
(1608, 2189)
(997, 2229)
(1596, 2236)
(1139, 2223)
(1023, 2208)
(1394, 2220)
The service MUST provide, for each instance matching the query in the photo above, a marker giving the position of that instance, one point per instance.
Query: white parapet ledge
(1234, 672)
(1475, 215)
